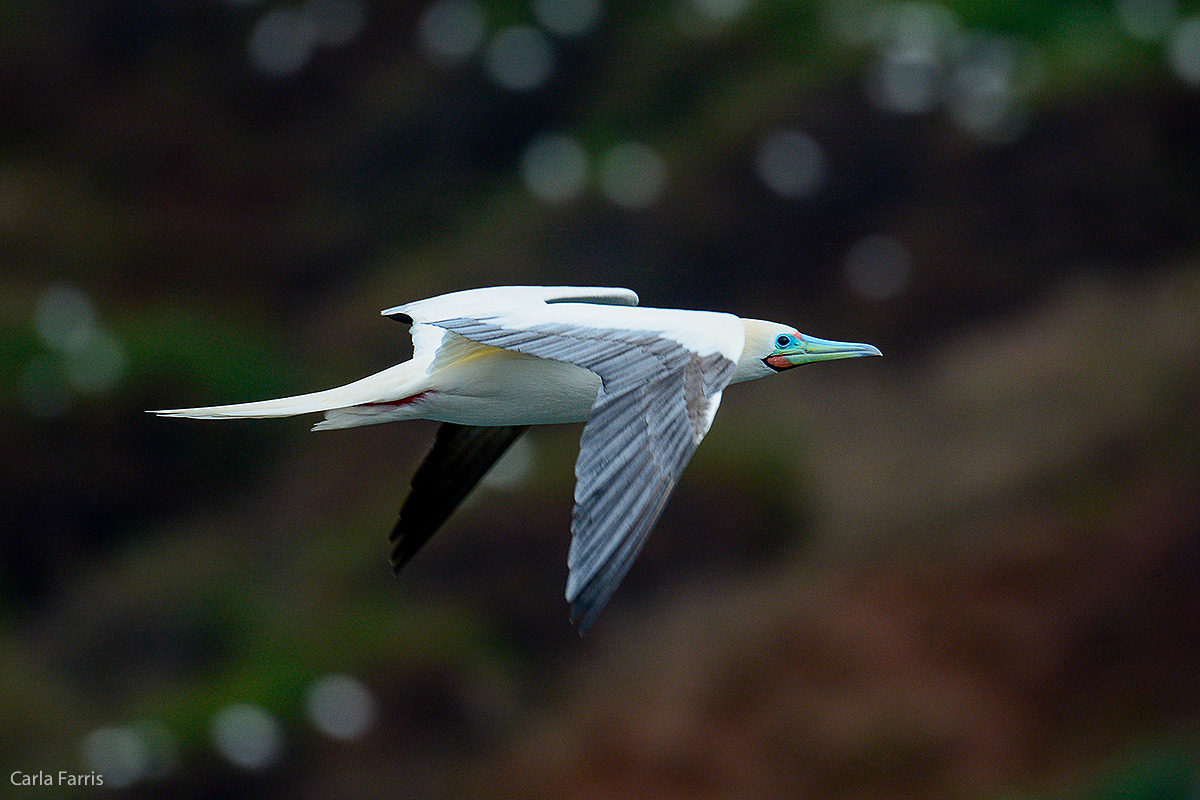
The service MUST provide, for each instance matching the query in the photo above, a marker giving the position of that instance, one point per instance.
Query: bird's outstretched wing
(461, 456)
(662, 374)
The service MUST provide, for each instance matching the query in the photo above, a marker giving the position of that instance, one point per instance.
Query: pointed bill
(809, 349)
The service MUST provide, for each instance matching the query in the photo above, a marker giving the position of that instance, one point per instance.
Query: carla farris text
(60, 778)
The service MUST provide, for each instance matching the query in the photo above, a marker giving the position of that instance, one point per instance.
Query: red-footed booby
(489, 362)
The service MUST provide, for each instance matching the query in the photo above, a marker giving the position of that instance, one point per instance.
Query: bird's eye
(783, 341)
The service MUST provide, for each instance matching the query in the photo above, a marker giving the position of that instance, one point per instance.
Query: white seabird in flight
(489, 362)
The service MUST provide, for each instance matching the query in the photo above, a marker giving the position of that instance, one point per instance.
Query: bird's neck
(750, 367)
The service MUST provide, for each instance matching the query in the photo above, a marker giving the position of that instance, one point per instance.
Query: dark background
(966, 570)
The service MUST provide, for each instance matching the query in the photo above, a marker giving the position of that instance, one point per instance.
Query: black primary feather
(461, 456)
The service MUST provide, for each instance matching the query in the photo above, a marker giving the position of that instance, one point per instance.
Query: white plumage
(488, 362)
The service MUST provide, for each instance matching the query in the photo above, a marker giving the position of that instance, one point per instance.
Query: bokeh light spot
(65, 318)
(98, 367)
(854, 22)
(1183, 50)
(909, 73)
(340, 706)
(451, 30)
(702, 18)
(248, 736)
(992, 81)
(924, 26)
(568, 18)
(554, 167)
(721, 11)
(87, 357)
(118, 754)
(632, 175)
(791, 163)
(1147, 20)
(281, 42)
(906, 81)
(519, 58)
(878, 267)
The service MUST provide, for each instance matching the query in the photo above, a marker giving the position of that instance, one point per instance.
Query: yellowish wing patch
(458, 350)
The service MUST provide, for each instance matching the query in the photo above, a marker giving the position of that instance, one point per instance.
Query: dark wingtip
(460, 457)
(400, 317)
(583, 615)
(399, 558)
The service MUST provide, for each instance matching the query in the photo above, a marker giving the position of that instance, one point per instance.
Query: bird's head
(771, 347)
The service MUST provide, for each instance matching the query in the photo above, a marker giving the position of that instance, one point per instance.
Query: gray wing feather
(648, 418)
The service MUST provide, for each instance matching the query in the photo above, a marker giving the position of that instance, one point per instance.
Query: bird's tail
(375, 398)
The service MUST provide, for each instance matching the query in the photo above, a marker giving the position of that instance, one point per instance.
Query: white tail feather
(390, 385)
(354, 416)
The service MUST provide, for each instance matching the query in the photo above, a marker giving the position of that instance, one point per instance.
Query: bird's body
(481, 385)
(488, 362)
